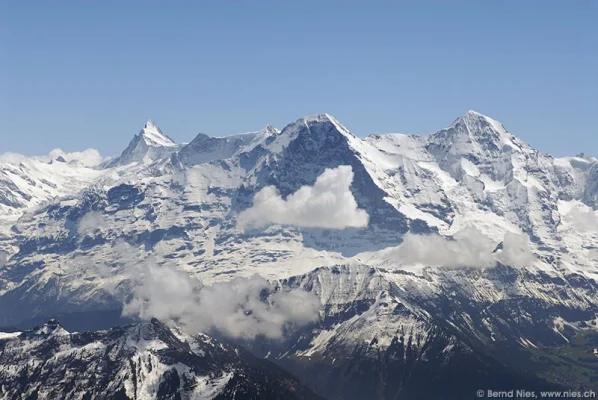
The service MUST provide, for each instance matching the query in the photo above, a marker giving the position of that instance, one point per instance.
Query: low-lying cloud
(467, 248)
(516, 251)
(329, 203)
(12, 158)
(243, 308)
(89, 157)
(583, 219)
(90, 222)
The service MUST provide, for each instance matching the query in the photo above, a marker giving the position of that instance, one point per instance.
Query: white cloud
(89, 157)
(329, 203)
(12, 158)
(467, 248)
(582, 218)
(162, 292)
(91, 221)
(235, 308)
(516, 251)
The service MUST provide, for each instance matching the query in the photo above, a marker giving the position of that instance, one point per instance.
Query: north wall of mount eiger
(478, 253)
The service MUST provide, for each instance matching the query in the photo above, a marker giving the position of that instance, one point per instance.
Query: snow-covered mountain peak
(147, 331)
(270, 129)
(322, 119)
(147, 146)
(316, 126)
(52, 327)
(474, 114)
(153, 136)
(476, 135)
(262, 137)
(151, 125)
(310, 119)
(477, 124)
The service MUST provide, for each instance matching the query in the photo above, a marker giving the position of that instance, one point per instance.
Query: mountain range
(141, 361)
(392, 266)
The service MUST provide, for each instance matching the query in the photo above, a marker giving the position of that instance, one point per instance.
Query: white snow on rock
(533, 213)
(9, 335)
(154, 136)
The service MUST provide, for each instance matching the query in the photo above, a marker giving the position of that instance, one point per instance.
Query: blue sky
(78, 74)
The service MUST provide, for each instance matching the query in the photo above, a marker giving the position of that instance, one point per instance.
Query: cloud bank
(88, 158)
(467, 248)
(12, 158)
(240, 308)
(329, 203)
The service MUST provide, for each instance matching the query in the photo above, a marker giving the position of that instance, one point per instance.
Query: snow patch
(470, 168)
(9, 335)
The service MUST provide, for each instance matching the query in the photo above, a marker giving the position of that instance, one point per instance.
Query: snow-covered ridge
(181, 204)
(30, 182)
(142, 361)
(149, 145)
(9, 335)
(204, 149)
(472, 237)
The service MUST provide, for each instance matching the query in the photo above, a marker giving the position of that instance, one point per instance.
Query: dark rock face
(457, 347)
(140, 361)
(402, 372)
(124, 196)
(319, 145)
